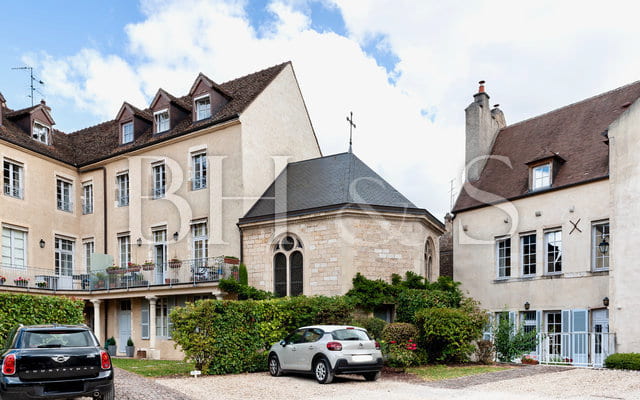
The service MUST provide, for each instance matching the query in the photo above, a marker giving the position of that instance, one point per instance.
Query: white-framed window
(541, 176)
(14, 247)
(13, 179)
(63, 194)
(164, 305)
(528, 254)
(503, 257)
(127, 132)
(122, 184)
(529, 321)
(159, 181)
(554, 333)
(203, 107)
(200, 239)
(599, 235)
(88, 249)
(553, 251)
(40, 132)
(87, 198)
(199, 179)
(162, 120)
(124, 250)
(144, 320)
(64, 256)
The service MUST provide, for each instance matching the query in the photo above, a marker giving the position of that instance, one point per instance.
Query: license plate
(362, 358)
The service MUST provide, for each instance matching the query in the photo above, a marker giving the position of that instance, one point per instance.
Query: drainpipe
(104, 201)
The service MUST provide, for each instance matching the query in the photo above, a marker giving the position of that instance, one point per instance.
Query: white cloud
(535, 57)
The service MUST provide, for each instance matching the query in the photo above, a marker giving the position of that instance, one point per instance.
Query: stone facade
(337, 245)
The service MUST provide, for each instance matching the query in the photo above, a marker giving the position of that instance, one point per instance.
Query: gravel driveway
(525, 383)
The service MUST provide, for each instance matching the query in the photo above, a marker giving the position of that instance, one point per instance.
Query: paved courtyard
(517, 383)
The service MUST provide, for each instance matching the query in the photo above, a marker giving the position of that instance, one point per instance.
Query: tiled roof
(101, 141)
(328, 183)
(573, 133)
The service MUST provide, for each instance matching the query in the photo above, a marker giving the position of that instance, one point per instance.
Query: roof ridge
(316, 158)
(255, 73)
(573, 104)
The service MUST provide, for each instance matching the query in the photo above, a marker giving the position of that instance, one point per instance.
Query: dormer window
(127, 132)
(203, 108)
(541, 176)
(162, 120)
(40, 133)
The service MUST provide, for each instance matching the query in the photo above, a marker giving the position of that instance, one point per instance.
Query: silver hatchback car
(327, 350)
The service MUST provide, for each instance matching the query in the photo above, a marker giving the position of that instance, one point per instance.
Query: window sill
(562, 275)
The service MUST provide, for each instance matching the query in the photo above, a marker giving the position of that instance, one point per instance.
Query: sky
(405, 68)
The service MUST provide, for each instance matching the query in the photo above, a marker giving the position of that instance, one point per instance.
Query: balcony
(204, 271)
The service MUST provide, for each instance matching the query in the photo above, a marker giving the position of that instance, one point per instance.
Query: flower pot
(148, 267)
(2, 281)
(112, 350)
(21, 283)
(175, 264)
(130, 350)
(230, 260)
(115, 271)
(134, 269)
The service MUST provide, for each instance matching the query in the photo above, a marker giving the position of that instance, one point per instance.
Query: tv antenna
(34, 80)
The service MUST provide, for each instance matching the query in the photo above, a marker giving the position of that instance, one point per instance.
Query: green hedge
(623, 361)
(448, 333)
(32, 310)
(234, 336)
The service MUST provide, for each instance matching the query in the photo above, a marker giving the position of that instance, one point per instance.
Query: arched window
(288, 266)
(429, 255)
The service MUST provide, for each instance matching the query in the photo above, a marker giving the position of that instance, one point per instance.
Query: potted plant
(2, 280)
(231, 260)
(130, 347)
(133, 267)
(20, 281)
(148, 265)
(41, 284)
(114, 269)
(235, 272)
(99, 280)
(175, 263)
(110, 345)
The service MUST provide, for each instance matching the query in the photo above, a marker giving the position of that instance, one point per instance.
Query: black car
(54, 362)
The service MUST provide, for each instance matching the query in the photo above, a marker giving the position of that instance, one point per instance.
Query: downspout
(104, 202)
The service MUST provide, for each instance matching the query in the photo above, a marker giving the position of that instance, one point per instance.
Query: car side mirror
(283, 343)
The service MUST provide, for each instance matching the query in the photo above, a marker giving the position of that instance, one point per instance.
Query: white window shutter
(579, 336)
(566, 333)
(144, 320)
(539, 332)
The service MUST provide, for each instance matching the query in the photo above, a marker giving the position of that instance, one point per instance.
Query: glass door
(160, 255)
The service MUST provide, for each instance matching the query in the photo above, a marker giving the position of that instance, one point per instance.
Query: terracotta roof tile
(574, 133)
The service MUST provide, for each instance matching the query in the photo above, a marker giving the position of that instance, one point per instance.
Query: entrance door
(160, 255)
(554, 330)
(124, 324)
(600, 336)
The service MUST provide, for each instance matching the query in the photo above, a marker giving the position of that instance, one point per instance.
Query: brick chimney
(482, 127)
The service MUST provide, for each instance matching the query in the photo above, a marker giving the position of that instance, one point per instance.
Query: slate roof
(573, 134)
(329, 183)
(101, 141)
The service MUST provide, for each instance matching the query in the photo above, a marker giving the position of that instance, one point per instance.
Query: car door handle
(293, 349)
(311, 347)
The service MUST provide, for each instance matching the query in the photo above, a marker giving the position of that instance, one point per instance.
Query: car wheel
(274, 365)
(322, 371)
(372, 376)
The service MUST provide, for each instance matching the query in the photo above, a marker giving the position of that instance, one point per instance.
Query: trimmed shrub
(224, 337)
(243, 275)
(370, 294)
(33, 310)
(400, 332)
(410, 301)
(244, 292)
(623, 361)
(448, 333)
(373, 325)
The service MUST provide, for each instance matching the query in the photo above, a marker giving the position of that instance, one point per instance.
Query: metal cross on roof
(351, 126)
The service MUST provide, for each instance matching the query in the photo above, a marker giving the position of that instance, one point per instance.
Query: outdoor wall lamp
(139, 242)
(175, 236)
(604, 246)
(527, 305)
(605, 301)
(42, 243)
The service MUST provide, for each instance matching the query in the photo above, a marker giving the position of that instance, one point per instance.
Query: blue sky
(406, 68)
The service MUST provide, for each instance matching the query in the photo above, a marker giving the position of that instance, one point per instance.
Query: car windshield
(52, 339)
(350, 334)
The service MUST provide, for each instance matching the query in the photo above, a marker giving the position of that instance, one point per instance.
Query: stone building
(544, 228)
(325, 219)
